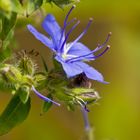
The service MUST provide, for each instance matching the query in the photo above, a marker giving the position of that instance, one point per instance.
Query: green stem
(89, 134)
(88, 129)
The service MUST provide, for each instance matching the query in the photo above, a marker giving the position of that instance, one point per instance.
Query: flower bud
(86, 94)
(10, 74)
(25, 64)
(89, 97)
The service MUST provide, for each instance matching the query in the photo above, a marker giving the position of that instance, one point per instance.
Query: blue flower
(73, 55)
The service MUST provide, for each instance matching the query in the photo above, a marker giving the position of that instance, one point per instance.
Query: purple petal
(52, 28)
(44, 97)
(90, 72)
(71, 69)
(80, 49)
(47, 42)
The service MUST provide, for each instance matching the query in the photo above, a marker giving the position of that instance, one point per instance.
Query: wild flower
(73, 55)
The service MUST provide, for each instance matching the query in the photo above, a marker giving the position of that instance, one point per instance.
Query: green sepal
(57, 85)
(47, 105)
(71, 106)
(80, 90)
(6, 87)
(44, 64)
(23, 92)
(86, 94)
(15, 113)
(40, 80)
(61, 94)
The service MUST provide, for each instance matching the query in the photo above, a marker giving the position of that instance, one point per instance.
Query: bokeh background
(116, 116)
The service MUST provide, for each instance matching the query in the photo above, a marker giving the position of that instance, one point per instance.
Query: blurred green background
(116, 116)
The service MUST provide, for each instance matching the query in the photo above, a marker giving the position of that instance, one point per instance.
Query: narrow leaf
(33, 5)
(11, 6)
(15, 113)
(16, 6)
(7, 25)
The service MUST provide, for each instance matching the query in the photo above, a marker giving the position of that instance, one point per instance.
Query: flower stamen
(71, 21)
(108, 46)
(67, 35)
(66, 24)
(87, 55)
(65, 21)
(85, 30)
(101, 46)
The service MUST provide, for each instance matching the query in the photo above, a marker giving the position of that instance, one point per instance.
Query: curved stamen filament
(44, 97)
(102, 52)
(67, 35)
(101, 46)
(83, 56)
(71, 21)
(94, 57)
(107, 39)
(81, 35)
(65, 23)
(63, 29)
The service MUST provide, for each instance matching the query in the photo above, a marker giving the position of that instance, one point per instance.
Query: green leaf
(60, 3)
(7, 29)
(33, 5)
(5, 53)
(47, 105)
(16, 6)
(5, 5)
(7, 40)
(15, 113)
(7, 25)
(11, 6)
